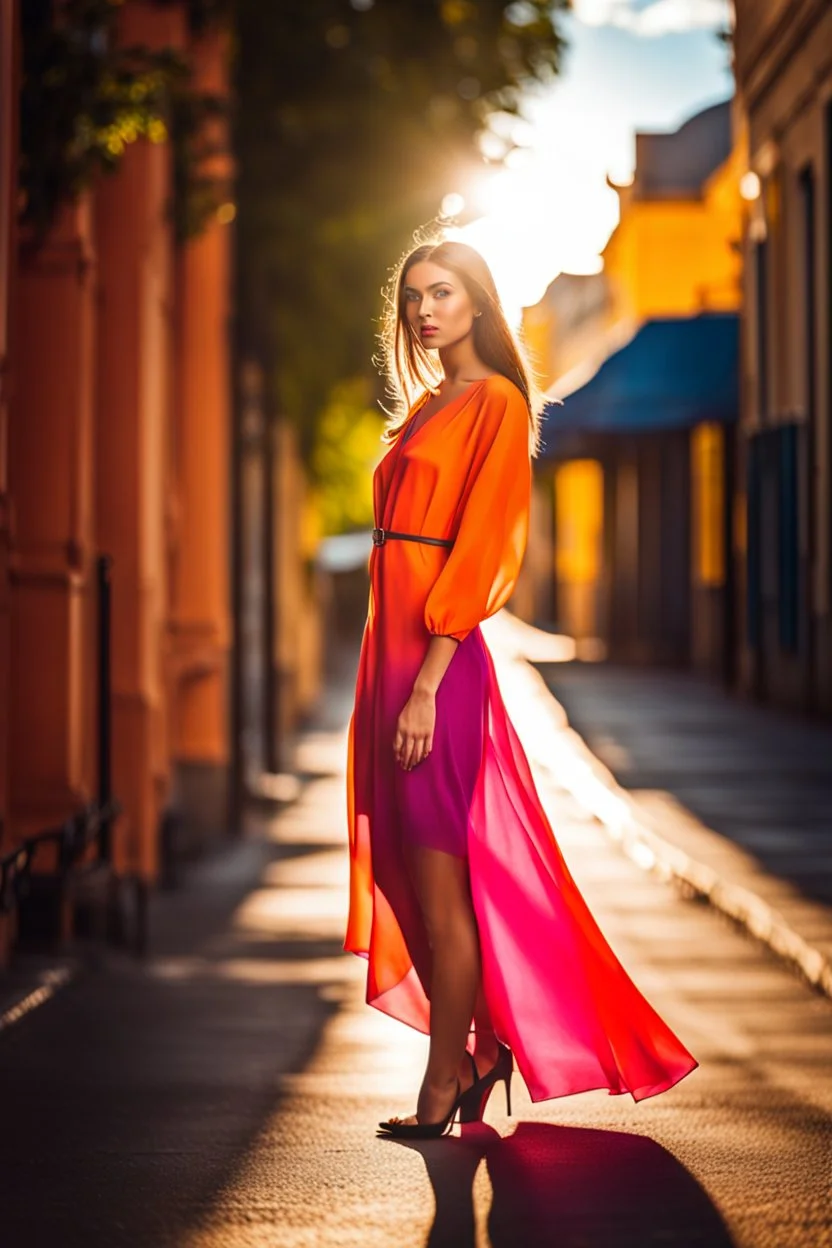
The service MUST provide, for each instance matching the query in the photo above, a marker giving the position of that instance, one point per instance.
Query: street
(226, 1093)
(353, 324)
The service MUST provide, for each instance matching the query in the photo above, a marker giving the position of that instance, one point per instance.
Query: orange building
(115, 433)
(9, 80)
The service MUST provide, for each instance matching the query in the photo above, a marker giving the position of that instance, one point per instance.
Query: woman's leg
(443, 890)
(485, 1041)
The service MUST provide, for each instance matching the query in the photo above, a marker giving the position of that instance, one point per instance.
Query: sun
(539, 217)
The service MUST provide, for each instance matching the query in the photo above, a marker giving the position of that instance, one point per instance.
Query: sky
(630, 65)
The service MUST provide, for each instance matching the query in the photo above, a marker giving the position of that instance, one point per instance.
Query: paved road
(225, 1094)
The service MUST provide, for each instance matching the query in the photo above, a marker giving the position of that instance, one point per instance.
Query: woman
(460, 900)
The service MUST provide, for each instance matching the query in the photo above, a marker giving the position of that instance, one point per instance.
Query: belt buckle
(378, 537)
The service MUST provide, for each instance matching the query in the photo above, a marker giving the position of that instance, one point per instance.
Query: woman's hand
(414, 730)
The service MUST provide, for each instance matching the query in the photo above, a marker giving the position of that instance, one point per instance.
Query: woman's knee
(451, 927)
(442, 887)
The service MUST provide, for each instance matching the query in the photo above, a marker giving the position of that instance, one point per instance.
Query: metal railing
(93, 822)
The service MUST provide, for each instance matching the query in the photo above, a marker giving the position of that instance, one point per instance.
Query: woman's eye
(411, 296)
(441, 293)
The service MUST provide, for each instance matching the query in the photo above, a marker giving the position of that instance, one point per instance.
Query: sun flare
(538, 220)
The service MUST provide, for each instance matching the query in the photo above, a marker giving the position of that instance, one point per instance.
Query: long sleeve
(483, 565)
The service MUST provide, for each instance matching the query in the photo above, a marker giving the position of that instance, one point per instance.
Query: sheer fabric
(557, 994)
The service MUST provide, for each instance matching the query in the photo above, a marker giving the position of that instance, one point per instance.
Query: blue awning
(674, 373)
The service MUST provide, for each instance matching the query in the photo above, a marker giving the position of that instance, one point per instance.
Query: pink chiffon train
(557, 994)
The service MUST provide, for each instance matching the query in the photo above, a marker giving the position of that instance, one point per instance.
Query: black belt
(380, 536)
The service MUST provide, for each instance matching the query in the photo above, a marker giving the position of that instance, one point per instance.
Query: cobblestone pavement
(225, 1093)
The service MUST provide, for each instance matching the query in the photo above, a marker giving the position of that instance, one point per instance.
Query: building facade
(9, 86)
(783, 535)
(119, 668)
(643, 355)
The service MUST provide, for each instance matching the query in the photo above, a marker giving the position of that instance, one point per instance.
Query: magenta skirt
(434, 799)
(556, 993)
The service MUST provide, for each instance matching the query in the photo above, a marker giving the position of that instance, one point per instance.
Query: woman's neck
(460, 363)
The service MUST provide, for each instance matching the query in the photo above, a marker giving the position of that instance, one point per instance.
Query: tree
(353, 118)
(85, 98)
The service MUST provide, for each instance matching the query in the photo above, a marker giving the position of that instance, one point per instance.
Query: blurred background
(200, 203)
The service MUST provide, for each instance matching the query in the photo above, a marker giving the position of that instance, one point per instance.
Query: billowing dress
(557, 995)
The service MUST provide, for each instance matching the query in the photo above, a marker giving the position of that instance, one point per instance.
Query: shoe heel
(507, 1082)
(472, 1108)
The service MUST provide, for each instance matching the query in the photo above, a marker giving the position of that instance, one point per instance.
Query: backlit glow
(630, 65)
(452, 204)
(750, 186)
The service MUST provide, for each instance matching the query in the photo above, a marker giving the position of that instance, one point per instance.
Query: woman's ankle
(439, 1083)
(486, 1052)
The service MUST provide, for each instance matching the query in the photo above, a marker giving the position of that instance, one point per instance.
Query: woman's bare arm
(414, 730)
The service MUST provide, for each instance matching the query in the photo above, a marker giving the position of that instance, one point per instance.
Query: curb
(650, 851)
(576, 769)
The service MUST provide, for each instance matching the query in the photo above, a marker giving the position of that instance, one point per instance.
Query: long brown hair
(410, 368)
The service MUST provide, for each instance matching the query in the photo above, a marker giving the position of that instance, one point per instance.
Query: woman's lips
(427, 331)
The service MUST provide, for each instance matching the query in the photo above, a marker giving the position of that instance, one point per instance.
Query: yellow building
(675, 251)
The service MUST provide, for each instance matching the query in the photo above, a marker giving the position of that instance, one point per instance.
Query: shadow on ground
(568, 1186)
(130, 1099)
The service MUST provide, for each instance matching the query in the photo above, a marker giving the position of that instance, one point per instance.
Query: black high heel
(433, 1130)
(473, 1102)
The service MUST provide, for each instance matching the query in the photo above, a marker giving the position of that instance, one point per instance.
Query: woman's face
(438, 308)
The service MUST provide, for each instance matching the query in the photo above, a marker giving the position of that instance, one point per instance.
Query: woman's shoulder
(498, 383)
(499, 389)
(501, 399)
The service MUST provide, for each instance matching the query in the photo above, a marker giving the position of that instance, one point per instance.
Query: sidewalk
(731, 799)
(223, 1093)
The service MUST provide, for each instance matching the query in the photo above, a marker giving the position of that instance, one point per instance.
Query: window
(827, 352)
(707, 465)
(806, 183)
(761, 318)
(788, 569)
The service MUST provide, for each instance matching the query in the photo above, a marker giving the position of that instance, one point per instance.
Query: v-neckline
(408, 434)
